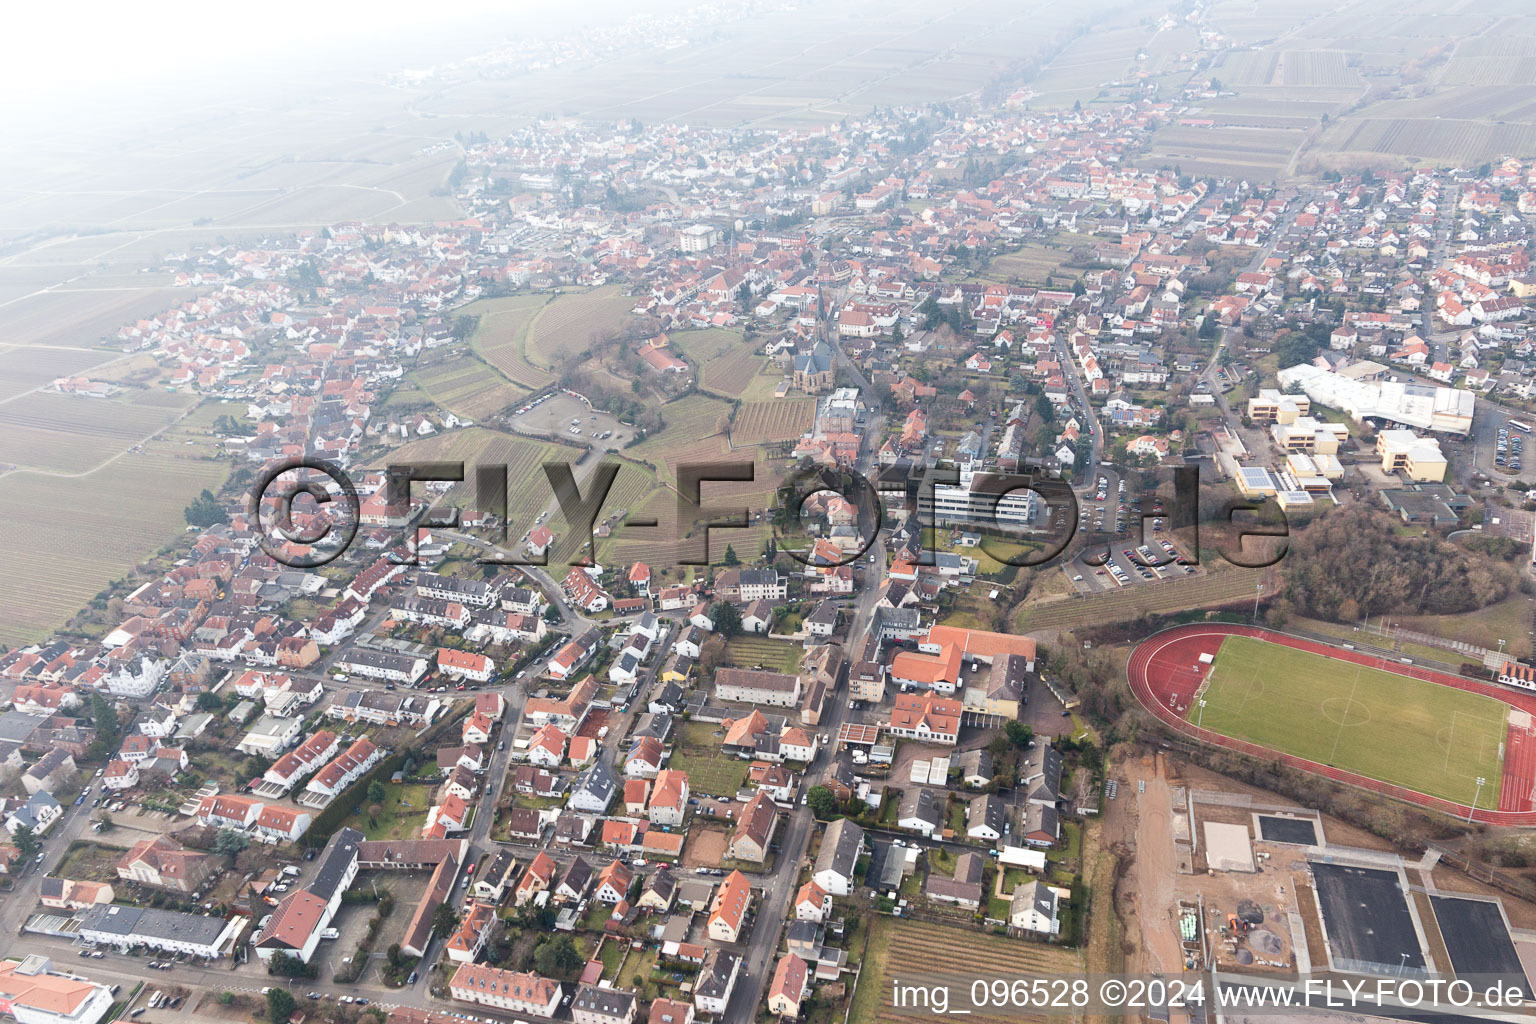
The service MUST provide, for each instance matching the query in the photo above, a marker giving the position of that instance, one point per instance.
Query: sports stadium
(1440, 741)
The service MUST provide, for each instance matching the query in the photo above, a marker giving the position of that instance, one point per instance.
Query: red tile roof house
(790, 980)
(572, 656)
(754, 829)
(585, 593)
(669, 798)
(538, 878)
(515, 992)
(465, 665)
(465, 944)
(812, 903)
(613, 883)
(637, 794)
(728, 911)
(476, 729)
(670, 1011)
(281, 825)
(547, 747)
(644, 759)
(540, 540)
(491, 705)
(287, 770)
(230, 811)
(120, 775)
(346, 768)
(163, 863)
(452, 815)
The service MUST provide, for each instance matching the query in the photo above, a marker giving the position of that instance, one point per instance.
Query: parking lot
(563, 415)
(1509, 448)
(1109, 521)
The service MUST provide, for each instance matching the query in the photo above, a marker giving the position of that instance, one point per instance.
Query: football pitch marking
(1343, 719)
(1384, 716)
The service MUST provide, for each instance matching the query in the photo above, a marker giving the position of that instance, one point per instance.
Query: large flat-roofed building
(1417, 458)
(1272, 406)
(697, 237)
(33, 993)
(1306, 434)
(983, 498)
(1432, 504)
(1407, 404)
(1304, 465)
(1256, 482)
(838, 413)
(166, 930)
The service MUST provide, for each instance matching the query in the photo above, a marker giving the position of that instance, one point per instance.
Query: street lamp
(1200, 718)
(1480, 781)
(1256, 596)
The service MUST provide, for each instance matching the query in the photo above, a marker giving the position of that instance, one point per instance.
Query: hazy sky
(54, 51)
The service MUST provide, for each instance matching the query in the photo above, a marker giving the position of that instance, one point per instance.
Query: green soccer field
(1429, 738)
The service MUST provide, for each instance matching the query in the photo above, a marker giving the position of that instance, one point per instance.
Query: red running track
(1165, 672)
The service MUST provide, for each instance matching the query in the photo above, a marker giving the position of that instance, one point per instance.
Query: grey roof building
(125, 927)
(841, 845)
(594, 1005)
(1041, 775)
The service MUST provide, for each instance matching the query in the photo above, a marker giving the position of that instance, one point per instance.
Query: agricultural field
(709, 769)
(705, 345)
(728, 363)
(1438, 140)
(1033, 263)
(778, 419)
(1458, 104)
(79, 317)
(1324, 68)
(937, 953)
(73, 536)
(790, 68)
(1248, 23)
(1498, 58)
(501, 336)
(714, 774)
(647, 500)
(1087, 63)
(193, 433)
(749, 651)
(22, 369)
(1261, 153)
(571, 324)
(68, 435)
(528, 489)
(464, 385)
(695, 432)
(1433, 739)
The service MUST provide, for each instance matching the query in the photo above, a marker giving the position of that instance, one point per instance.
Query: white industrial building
(1408, 404)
